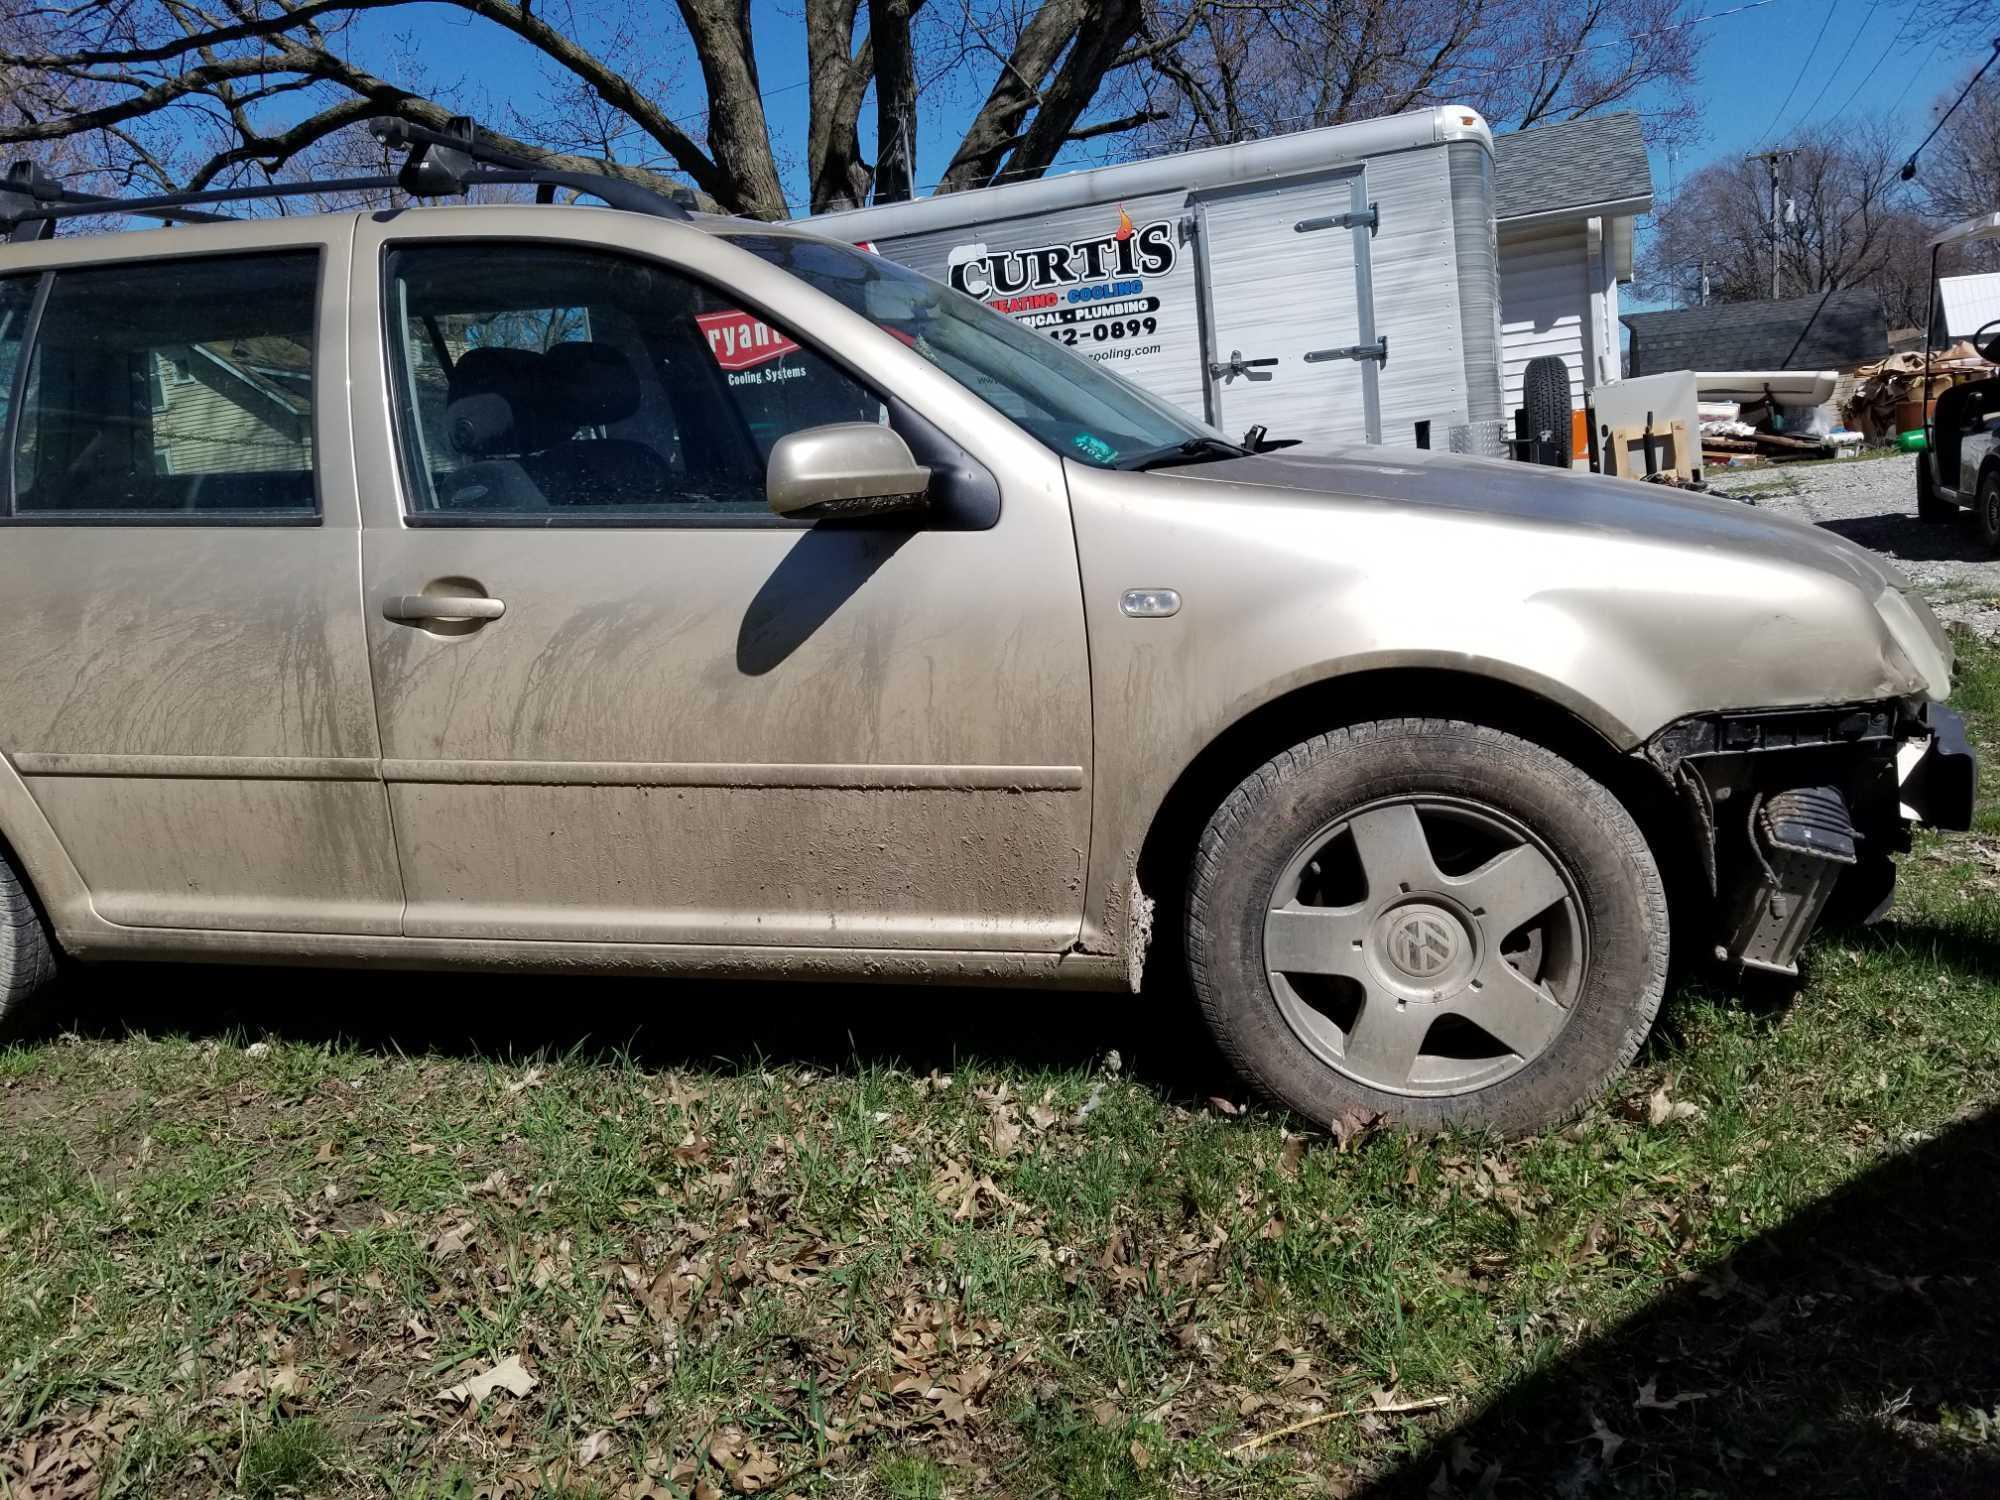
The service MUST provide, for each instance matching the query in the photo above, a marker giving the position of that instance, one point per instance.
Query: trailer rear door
(1288, 311)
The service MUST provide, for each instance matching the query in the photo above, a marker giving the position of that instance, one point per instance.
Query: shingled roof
(1826, 331)
(1577, 166)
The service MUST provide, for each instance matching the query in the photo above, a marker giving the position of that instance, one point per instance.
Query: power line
(1922, 68)
(1834, 72)
(1910, 166)
(1825, 21)
(1875, 67)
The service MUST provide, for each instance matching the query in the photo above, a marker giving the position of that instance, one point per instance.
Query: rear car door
(183, 674)
(669, 716)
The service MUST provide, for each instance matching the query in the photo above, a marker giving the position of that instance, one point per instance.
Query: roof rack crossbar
(440, 164)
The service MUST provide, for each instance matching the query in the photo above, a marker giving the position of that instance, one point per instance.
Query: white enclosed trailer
(1332, 286)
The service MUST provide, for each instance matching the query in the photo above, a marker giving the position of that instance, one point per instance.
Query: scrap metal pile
(1888, 405)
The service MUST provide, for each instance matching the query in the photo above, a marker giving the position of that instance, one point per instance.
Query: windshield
(1073, 406)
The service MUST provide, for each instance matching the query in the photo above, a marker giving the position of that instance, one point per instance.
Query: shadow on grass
(1850, 1352)
(658, 1023)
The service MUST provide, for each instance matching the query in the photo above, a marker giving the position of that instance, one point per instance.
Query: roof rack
(440, 164)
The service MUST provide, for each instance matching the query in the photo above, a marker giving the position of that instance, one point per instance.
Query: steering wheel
(1988, 347)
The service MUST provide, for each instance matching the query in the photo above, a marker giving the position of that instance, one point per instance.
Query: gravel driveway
(1873, 501)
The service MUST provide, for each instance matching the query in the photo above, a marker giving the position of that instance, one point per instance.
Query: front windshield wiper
(1196, 450)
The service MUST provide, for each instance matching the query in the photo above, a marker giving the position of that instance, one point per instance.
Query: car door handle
(412, 608)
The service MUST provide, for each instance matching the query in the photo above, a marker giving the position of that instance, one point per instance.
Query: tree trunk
(1015, 92)
(895, 99)
(739, 138)
(1106, 26)
(839, 78)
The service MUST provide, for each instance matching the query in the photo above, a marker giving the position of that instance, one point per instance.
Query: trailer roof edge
(1330, 146)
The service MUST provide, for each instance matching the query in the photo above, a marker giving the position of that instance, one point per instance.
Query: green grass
(228, 1268)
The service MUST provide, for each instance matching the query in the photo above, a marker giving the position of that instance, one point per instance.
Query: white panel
(1278, 295)
(1969, 302)
(1416, 296)
(1544, 302)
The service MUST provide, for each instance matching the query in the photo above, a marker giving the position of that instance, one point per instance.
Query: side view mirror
(843, 470)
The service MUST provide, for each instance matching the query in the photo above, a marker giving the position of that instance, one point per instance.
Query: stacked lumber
(1895, 395)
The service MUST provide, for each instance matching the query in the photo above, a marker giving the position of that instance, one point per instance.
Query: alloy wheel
(1425, 945)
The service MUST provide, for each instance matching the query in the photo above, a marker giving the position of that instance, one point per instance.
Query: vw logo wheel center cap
(1424, 949)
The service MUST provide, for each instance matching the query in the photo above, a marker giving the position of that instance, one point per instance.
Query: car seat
(582, 388)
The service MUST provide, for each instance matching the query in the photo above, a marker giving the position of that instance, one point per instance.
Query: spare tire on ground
(1545, 398)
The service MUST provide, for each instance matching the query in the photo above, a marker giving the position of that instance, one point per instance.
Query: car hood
(1560, 498)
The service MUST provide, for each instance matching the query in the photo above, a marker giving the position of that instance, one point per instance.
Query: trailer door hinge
(1377, 351)
(1371, 216)
(1189, 227)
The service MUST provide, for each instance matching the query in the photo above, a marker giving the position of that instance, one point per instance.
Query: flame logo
(1125, 229)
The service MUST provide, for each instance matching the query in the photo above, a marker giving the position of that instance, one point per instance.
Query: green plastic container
(1912, 442)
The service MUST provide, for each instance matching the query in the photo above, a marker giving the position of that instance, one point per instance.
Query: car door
(657, 713)
(183, 672)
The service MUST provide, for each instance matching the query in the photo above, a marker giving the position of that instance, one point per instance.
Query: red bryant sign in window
(741, 342)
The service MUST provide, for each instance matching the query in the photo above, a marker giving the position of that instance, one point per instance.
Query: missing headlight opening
(1794, 807)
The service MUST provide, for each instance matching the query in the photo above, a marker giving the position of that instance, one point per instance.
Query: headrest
(584, 384)
(491, 398)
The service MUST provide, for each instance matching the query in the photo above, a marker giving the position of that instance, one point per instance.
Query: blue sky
(1864, 61)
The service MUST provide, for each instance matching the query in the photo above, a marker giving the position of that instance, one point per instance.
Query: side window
(179, 389)
(560, 383)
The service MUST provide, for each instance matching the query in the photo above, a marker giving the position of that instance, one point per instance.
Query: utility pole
(1771, 160)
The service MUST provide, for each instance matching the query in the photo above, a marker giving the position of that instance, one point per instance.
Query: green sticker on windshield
(1094, 447)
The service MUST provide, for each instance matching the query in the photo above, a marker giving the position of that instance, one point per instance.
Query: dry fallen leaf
(593, 1447)
(1661, 1110)
(1648, 1398)
(509, 1375)
(1292, 1155)
(1608, 1440)
(1142, 1456)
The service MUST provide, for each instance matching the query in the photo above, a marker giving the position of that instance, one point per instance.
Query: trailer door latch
(1377, 351)
(1236, 364)
(1371, 216)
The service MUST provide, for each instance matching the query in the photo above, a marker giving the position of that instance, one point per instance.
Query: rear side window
(179, 390)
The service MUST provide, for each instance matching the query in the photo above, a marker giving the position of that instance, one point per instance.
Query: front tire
(1931, 506)
(1427, 920)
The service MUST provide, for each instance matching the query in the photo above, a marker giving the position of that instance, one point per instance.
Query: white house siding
(1545, 293)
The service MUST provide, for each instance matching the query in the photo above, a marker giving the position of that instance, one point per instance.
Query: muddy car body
(609, 592)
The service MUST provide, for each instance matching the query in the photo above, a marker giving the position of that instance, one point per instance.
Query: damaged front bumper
(1791, 807)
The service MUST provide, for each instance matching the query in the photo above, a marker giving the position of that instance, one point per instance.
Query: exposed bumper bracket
(1940, 784)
